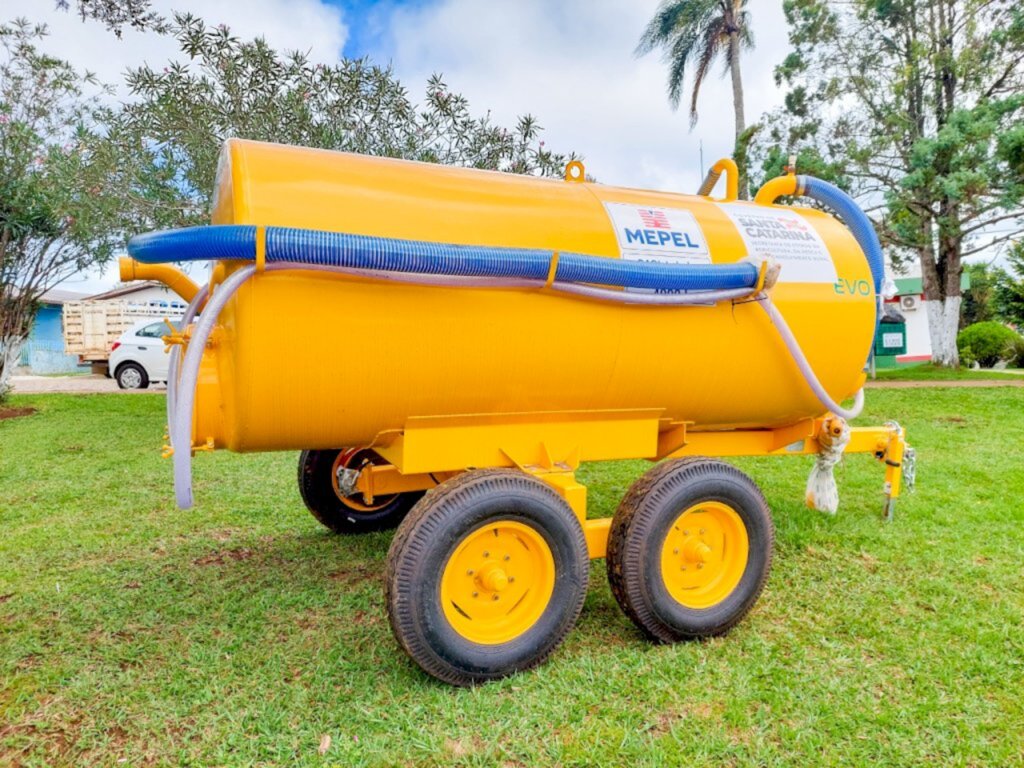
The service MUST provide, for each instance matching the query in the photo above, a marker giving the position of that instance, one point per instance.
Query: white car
(138, 357)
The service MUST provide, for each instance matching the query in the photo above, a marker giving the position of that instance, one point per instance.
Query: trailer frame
(552, 446)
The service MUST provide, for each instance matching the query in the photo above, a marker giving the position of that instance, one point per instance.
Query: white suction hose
(172, 365)
(181, 421)
(805, 368)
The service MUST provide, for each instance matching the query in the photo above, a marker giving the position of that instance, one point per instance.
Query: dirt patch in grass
(13, 413)
(356, 574)
(465, 746)
(55, 741)
(221, 557)
(31, 661)
(869, 561)
(361, 618)
(667, 719)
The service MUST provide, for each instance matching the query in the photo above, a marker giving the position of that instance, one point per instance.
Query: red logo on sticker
(653, 218)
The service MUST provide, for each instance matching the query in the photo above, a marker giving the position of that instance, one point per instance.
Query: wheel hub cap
(498, 582)
(705, 554)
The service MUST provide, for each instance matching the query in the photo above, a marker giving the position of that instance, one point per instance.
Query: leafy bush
(967, 357)
(989, 342)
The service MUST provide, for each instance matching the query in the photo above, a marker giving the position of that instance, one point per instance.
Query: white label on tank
(665, 235)
(892, 339)
(787, 237)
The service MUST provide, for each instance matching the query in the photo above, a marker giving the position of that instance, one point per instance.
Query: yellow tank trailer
(459, 341)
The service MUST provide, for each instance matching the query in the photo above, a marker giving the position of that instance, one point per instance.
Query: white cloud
(571, 64)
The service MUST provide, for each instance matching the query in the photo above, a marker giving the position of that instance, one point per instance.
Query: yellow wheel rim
(704, 554)
(497, 582)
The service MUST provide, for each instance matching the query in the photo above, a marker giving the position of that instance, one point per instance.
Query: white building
(909, 302)
(146, 292)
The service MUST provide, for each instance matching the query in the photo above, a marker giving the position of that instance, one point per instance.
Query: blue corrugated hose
(416, 256)
(850, 214)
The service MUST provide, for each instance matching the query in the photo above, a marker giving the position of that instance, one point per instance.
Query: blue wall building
(44, 350)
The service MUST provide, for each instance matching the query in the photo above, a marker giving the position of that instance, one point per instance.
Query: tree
(64, 179)
(1009, 289)
(118, 14)
(230, 87)
(921, 102)
(774, 161)
(979, 302)
(692, 34)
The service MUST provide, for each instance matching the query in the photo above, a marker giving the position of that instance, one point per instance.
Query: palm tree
(692, 34)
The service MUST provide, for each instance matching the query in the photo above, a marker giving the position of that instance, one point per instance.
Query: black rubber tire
(428, 537)
(316, 486)
(131, 367)
(638, 533)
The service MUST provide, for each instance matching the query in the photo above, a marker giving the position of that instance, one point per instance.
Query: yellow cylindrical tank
(315, 360)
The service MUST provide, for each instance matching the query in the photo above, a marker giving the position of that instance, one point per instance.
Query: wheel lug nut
(702, 531)
(476, 594)
(494, 598)
(469, 572)
(686, 533)
(508, 557)
(511, 579)
(700, 565)
(675, 551)
(487, 554)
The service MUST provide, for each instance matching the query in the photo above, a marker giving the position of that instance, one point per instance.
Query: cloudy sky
(568, 62)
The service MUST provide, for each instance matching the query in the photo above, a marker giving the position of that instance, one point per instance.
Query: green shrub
(967, 357)
(989, 342)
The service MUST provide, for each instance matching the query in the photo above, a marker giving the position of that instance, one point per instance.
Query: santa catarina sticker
(666, 235)
(787, 237)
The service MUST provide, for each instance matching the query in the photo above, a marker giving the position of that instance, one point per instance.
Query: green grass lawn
(241, 633)
(929, 372)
